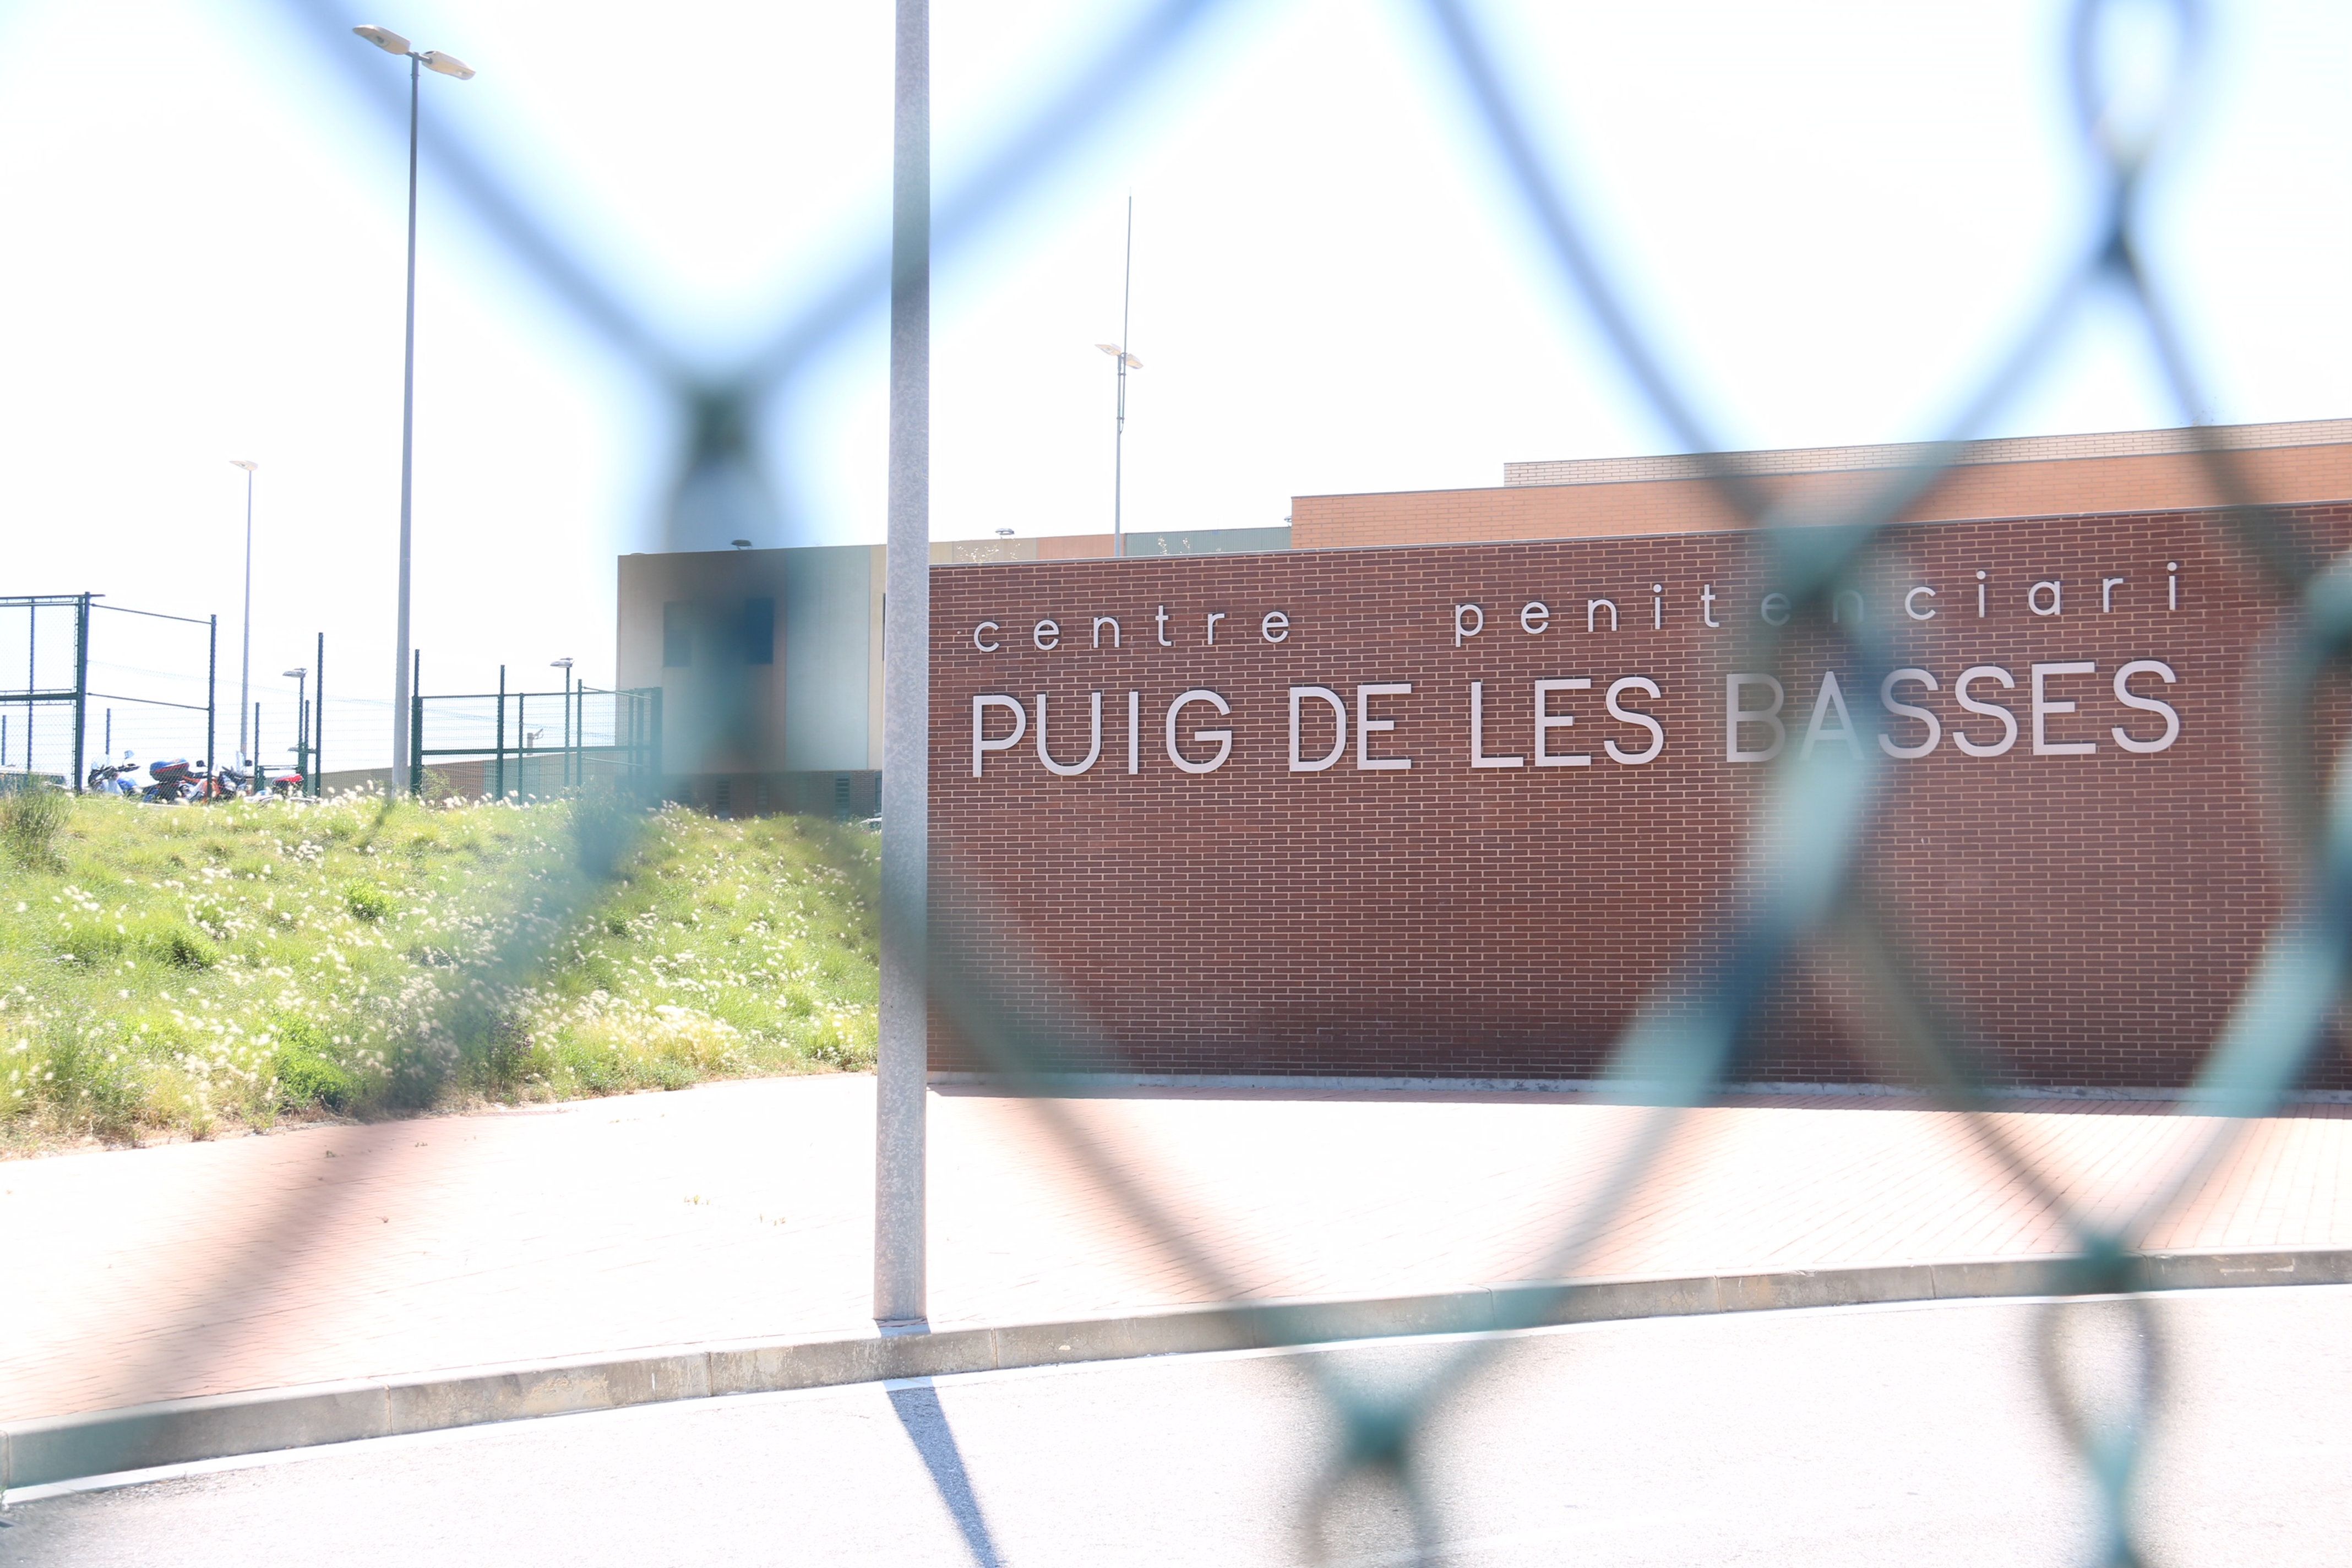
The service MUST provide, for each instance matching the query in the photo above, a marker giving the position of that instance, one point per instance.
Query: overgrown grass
(194, 969)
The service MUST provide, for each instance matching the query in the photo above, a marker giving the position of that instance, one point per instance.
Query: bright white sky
(1833, 214)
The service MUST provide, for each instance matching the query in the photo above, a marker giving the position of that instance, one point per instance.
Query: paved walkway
(743, 1210)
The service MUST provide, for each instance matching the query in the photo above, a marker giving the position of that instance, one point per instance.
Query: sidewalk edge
(184, 1431)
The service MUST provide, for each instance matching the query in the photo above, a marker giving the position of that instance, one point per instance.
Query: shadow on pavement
(918, 1410)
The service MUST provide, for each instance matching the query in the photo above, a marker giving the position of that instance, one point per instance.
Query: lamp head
(740, 543)
(248, 464)
(447, 64)
(384, 39)
(297, 673)
(564, 663)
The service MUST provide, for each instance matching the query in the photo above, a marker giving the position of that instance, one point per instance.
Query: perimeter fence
(503, 745)
(87, 683)
(1803, 884)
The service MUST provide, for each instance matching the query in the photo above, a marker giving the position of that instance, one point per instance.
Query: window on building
(759, 631)
(678, 645)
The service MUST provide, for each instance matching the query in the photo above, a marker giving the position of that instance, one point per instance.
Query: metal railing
(501, 745)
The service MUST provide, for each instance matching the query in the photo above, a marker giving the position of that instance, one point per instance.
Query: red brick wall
(2090, 917)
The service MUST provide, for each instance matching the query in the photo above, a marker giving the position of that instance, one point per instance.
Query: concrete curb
(1615, 1090)
(184, 1431)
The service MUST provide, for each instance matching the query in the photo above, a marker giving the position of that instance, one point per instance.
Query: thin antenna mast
(1127, 362)
(1119, 444)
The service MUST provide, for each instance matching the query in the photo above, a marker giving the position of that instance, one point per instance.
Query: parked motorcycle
(175, 780)
(107, 777)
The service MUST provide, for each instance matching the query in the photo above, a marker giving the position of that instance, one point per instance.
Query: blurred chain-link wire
(1803, 882)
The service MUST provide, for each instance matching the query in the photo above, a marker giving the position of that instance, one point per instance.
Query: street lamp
(300, 674)
(1127, 362)
(245, 670)
(447, 64)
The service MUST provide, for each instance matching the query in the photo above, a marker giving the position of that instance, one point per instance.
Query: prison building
(1462, 779)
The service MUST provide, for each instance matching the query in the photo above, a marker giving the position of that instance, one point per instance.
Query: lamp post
(447, 64)
(245, 669)
(301, 674)
(564, 664)
(1127, 362)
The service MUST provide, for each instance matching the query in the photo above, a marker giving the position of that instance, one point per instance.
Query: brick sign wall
(1453, 811)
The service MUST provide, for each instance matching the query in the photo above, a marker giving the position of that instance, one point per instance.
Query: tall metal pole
(1119, 441)
(503, 733)
(400, 688)
(245, 670)
(900, 1289)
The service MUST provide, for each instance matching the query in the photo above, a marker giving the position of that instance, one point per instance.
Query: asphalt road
(1915, 1435)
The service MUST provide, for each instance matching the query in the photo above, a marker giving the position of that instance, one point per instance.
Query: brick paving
(744, 1209)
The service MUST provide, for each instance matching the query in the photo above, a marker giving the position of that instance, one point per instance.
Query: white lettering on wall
(1738, 716)
(1917, 715)
(1300, 762)
(1911, 603)
(1223, 739)
(1135, 732)
(1635, 717)
(2043, 705)
(1094, 750)
(1047, 635)
(981, 630)
(1478, 757)
(1592, 607)
(1102, 621)
(2057, 598)
(980, 744)
(1367, 727)
(2129, 699)
(1547, 721)
(1534, 616)
(1832, 695)
(1469, 620)
(1990, 709)
(1275, 627)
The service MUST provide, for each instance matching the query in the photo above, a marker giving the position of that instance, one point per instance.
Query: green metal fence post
(317, 721)
(416, 725)
(658, 787)
(81, 686)
(212, 687)
(500, 793)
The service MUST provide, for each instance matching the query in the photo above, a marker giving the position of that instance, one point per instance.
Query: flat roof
(1906, 454)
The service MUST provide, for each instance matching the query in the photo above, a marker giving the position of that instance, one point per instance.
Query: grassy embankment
(193, 969)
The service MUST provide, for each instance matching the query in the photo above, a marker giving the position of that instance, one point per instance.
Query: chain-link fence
(506, 745)
(90, 685)
(1802, 885)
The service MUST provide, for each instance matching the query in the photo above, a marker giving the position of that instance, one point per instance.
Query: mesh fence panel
(1799, 884)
